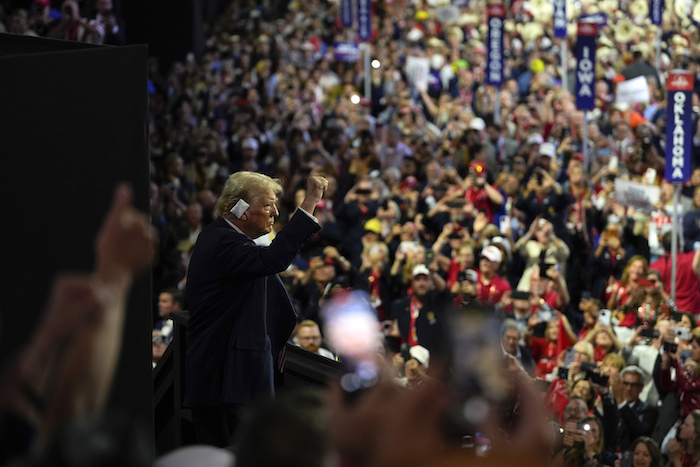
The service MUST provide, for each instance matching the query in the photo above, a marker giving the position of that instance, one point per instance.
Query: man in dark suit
(510, 341)
(241, 314)
(420, 316)
(637, 418)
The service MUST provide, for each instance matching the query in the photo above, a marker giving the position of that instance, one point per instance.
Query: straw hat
(677, 39)
(608, 6)
(681, 8)
(605, 41)
(455, 32)
(532, 31)
(624, 30)
(573, 9)
(696, 12)
(541, 11)
(435, 42)
(639, 9)
(468, 18)
(642, 47)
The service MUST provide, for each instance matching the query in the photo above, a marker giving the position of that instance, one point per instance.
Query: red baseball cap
(479, 168)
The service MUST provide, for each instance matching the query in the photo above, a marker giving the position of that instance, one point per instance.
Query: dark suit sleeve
(639, 423)
(246, 258)
(609, 419)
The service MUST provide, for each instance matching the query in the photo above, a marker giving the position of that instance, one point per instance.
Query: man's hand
(125, 243)
(315, 187)
(331, 252)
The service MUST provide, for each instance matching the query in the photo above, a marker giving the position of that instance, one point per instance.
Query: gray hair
(510, 325)
(634, 370)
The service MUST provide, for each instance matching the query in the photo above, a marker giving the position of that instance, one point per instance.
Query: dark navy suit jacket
(240, 312)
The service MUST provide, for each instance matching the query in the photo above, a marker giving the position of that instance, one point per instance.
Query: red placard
(586, 28)
(679, 80)
(497, 9)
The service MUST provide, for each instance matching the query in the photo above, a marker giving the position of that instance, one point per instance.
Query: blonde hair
(624, 280)
(615, 360)
(248, 186)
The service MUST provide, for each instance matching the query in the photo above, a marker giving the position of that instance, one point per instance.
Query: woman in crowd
(590, 308)
(644, 452)
(588, 449)
(687, 382)
(612, 365)
(582, 387)
(608, 260)
(604, 341)
(544, 350)
(537, 245)
(621, 292)
(649, 303)
(685, 451)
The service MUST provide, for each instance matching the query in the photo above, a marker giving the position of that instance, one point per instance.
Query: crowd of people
(434, 203)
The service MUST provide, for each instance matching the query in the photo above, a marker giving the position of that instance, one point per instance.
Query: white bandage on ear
(239, 208)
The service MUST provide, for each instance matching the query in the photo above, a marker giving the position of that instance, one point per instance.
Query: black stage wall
(171, 28)
(73, 124)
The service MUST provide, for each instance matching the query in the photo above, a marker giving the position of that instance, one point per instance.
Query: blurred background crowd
(434, 201)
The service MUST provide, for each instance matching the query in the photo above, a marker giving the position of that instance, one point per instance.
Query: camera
(363, 191)
(670, 347)
(455, 203)
(563, 373)
(649, 333)
(543, 269)
(681, 333)
(386, 325)
(539, 177)
(597, 378)
(584, 426)
(590, 369)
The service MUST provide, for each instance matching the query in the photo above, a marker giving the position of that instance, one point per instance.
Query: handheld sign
(494, 44)
(600, 18)
(585, 66)
(346, 12)
(364, 26)
(679, 131)
(656, 11)
(560, 18)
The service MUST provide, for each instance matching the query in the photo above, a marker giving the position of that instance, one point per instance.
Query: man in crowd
(510, 341)
(309, 337)
(637, 418)
(169, 300)
(490, 287)
(421, 316)
(241, 314)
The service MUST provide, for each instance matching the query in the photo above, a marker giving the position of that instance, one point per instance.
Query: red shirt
(545, 353)
(481, 201)
(687, 386)
(491, 293)
(687, 283)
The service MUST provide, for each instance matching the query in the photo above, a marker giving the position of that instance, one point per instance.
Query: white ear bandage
(239, 208)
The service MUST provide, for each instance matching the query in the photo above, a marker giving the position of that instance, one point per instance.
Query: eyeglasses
(309, 338)
(160, 340)
(629, 383)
